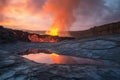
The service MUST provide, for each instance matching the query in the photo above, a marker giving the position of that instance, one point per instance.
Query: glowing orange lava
(53, 31)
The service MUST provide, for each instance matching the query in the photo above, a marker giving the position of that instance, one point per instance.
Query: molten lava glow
(36, 38)
(53, 31)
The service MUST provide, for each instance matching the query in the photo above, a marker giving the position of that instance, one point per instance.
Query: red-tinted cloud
(74, 14)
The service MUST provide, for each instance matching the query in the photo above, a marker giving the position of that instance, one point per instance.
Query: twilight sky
(65, 14)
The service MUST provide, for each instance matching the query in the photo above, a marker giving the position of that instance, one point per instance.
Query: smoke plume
(62, 12)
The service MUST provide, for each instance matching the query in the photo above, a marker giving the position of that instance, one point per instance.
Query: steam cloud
(63, 12)
(66, 14)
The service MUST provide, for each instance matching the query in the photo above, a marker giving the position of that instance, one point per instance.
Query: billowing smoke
(62, 12)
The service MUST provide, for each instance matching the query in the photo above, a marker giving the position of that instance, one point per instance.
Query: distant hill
(107, 29)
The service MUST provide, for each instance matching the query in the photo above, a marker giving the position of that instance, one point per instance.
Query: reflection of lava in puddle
(59, 59)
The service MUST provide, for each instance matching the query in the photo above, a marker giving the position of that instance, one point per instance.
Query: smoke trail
(62, 12)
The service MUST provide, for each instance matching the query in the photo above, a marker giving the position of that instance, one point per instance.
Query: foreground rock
(13, 67)
(106, 48)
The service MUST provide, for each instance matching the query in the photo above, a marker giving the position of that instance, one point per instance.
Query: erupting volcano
(62, 16)
(59, 39)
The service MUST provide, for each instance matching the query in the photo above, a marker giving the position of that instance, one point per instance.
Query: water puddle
(59, 59)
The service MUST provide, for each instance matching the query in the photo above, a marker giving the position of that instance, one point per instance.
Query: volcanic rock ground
(105, 48)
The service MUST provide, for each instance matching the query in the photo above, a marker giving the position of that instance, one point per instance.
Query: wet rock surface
(106, 48)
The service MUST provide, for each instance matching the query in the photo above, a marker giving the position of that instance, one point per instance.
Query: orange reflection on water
(59, 59)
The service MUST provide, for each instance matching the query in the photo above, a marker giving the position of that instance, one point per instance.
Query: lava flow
(51, 36)
(43, 38)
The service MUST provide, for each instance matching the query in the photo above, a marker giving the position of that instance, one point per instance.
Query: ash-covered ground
(104, 48)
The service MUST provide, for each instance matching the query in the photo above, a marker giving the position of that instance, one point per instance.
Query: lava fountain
(53, 31)
(62, 14)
